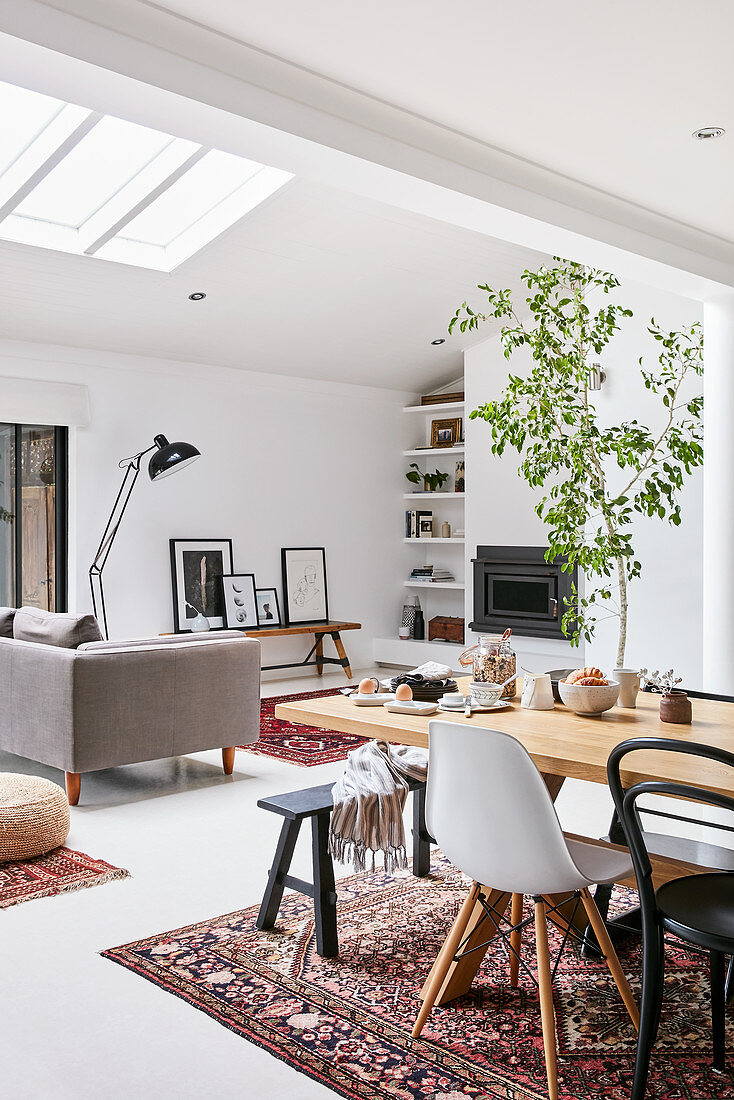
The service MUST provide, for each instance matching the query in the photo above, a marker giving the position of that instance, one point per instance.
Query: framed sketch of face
(240, 605)
(268, 608)
(197, 567)
(304, 584)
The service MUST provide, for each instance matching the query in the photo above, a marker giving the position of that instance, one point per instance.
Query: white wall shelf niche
(418, 451)
(429, 585)
(447, 407)
(434, 496)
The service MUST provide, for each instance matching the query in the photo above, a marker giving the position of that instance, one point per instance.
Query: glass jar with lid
(494, 661)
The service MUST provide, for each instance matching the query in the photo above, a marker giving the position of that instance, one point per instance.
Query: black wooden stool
(317, 803)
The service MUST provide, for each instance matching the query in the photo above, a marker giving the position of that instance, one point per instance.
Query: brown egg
(404, 693)
(366, 687)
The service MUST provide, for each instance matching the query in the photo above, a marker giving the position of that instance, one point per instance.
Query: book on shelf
(418, 524)
(430, 574)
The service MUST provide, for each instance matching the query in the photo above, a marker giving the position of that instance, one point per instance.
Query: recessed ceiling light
(437, 342)
(197, 296)
(707, 132)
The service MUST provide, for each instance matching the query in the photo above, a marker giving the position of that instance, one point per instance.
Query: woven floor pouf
(34, 816)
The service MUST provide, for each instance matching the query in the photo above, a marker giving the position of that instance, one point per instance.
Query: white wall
(665, 604)
(285, 462)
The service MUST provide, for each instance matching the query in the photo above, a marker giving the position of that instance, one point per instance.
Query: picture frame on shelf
(304, 584)
(240, 603)
(446, 433)
(425, 526)
(459, 477)
(197, 568)
(268, 607)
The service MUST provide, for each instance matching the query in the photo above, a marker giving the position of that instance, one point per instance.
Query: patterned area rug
(56, 873)
(296, 744)
(346, 1022)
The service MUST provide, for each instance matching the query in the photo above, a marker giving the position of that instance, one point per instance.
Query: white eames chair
(490, 812)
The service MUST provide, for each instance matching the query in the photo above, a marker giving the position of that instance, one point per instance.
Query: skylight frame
(102, 233)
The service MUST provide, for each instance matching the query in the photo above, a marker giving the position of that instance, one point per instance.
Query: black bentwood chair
(696, 908)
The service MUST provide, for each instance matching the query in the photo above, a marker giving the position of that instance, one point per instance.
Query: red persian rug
(346, 1022)
(55, 873)
(296, 744)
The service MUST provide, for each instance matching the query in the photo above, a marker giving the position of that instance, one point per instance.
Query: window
(33, 519)
(95, 185)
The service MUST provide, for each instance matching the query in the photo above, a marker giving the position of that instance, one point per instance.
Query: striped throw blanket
(368, 804)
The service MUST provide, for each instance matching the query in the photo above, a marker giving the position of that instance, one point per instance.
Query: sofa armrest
(37, 721)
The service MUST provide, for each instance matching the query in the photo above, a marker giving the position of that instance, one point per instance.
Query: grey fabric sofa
(109, 703)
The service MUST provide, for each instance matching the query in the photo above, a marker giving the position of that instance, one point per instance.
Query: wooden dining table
(563, 745)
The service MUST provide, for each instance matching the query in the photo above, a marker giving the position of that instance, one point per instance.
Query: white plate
(376, 699)
(475, 708)
(413, 706)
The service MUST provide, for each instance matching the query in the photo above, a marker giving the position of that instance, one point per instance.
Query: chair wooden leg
(444, 960)
(228, 760)
(607, 948)
(547, 1011)
(515, 939)
(73, 782)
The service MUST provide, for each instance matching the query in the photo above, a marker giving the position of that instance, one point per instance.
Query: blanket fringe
(346, 850)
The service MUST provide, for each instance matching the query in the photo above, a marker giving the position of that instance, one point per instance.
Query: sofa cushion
(7, 614)
(31, 624)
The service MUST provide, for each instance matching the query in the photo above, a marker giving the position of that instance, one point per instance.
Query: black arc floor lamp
(166, 459)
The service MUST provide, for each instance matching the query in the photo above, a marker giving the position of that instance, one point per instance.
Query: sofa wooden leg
(73, 787)
(228, 760)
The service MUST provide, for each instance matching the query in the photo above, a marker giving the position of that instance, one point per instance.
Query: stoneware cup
(629, 685)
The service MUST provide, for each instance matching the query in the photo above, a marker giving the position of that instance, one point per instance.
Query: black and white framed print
(197, 568)
(268, 608)
(304, 584)
(240, 606)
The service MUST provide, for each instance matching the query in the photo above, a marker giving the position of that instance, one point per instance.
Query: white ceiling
(605, 94)
(315, 283)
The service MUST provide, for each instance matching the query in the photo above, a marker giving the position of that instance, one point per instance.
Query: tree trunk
(622, 640)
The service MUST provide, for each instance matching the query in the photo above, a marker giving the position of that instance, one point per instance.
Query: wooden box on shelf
(447, 628)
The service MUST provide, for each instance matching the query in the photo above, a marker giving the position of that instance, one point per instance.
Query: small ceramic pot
(676, 707)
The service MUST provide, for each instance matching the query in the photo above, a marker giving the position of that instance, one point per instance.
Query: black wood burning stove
(515, 586)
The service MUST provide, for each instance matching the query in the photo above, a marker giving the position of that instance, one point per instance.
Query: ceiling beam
(173, 74)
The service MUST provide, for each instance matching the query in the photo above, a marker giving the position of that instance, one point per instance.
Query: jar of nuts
(495, 662)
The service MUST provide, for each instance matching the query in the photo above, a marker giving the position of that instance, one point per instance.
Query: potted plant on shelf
(594, 477)
(675, 706)
(431, 482)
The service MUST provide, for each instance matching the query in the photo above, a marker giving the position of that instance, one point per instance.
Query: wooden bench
(316, 803)
(320, 630)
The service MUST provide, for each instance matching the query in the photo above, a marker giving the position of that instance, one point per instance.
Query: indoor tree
(593, 479)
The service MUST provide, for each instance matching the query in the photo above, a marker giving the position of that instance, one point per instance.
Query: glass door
(33, 526)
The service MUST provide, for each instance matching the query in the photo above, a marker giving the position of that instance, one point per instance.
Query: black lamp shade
(170, 457)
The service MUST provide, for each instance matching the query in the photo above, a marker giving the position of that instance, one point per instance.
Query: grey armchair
(110, 703)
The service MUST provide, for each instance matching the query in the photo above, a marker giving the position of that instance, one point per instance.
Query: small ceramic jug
(629, 685)
(537, 691)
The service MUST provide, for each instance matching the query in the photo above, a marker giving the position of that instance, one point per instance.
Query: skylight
(85, 183)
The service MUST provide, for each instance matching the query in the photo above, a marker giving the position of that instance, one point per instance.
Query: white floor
(75, 1025)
